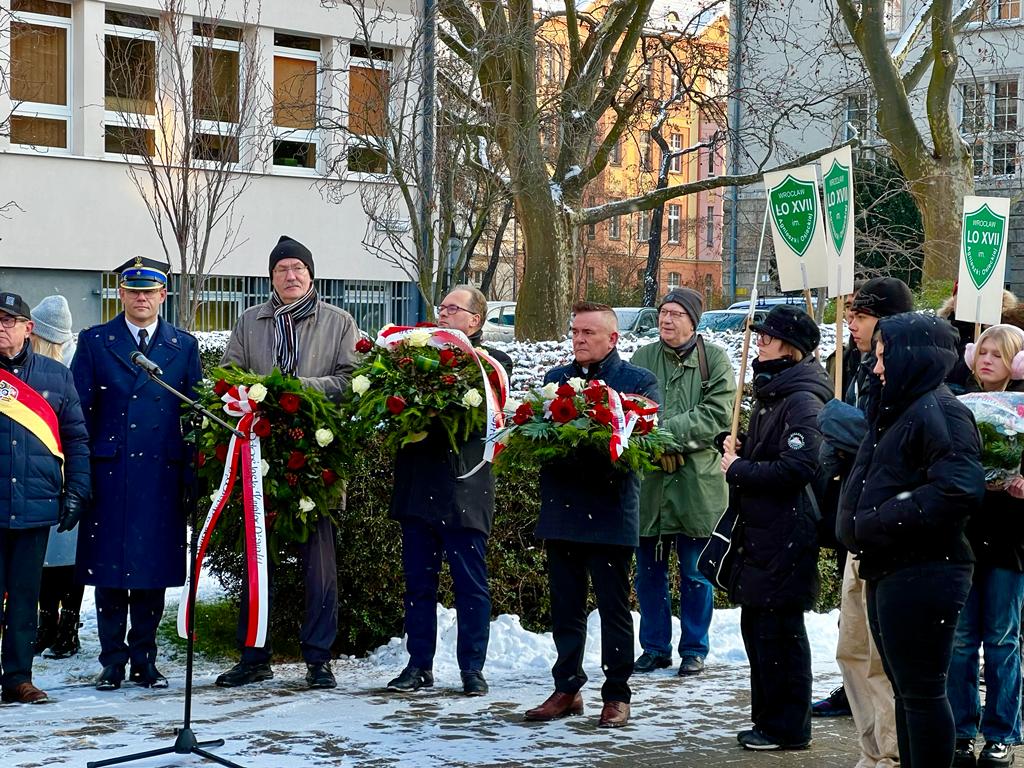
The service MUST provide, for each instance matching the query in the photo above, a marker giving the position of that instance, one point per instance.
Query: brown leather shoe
(614, 714)
(558, 705)
(24, 693)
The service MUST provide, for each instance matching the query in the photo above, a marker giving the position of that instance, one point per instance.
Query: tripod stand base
(185, 744)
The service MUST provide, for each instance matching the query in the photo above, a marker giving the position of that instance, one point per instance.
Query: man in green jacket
(681, 503)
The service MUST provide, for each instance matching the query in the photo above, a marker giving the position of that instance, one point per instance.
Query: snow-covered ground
(280, 723)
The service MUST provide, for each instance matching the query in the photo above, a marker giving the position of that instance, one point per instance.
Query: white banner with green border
(983, 237)
(798, 232)
(837, 183)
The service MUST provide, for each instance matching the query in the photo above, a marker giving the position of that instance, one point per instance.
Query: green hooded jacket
(691, 499)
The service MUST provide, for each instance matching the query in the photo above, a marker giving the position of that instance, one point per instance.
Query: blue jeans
(991, 618)
(696, 596)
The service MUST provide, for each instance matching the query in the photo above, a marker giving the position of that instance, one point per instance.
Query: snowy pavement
(281, 724)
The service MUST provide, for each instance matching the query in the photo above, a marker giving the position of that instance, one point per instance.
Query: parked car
(500, 323)
(642, 321)
(719, 320)
(770, 301)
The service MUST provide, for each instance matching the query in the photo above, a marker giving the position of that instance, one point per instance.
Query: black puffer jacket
(917, 475)
(776, 534)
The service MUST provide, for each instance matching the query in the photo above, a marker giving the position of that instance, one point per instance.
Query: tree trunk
(939, 194)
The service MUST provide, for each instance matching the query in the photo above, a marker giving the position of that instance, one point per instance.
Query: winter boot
(67, 643)
(46, 631)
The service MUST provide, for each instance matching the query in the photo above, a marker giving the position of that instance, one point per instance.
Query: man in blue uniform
(132, 541)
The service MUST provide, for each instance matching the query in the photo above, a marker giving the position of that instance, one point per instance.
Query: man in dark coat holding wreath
(590, 523)
(446, 508)
(131, 546)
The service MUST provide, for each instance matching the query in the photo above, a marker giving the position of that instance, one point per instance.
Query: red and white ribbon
(243, 456)
(494, 397)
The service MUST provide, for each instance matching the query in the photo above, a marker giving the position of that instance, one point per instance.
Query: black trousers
(113, 608)
(780, 672)
(320, 624)
(21, 566)
(913, 615)
(571, 565)
(60, 591)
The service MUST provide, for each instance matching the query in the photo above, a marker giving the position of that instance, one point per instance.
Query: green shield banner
(837, 203)
(982, 243)
(794, 206)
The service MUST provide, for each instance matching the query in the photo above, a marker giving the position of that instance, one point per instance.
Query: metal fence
(373, 303)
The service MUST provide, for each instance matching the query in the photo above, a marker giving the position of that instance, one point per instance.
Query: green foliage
(999, 450)
(933, 294)
(890, 233)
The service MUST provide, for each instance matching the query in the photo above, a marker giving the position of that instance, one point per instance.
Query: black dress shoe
(244, 673)
(691, 665)
(110, 678)
(147, 675)
(412, 679)
(473, 684)
(648, 662)
(319, 675)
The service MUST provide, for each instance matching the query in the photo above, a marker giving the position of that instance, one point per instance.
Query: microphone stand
(185, 742)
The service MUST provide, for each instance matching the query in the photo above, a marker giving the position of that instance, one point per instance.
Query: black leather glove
(71, 508)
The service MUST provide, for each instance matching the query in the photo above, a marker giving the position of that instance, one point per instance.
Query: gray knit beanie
(52, 320)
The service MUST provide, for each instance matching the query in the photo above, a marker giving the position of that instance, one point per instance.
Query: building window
(676, 145)
(893, 16)
(614, 228)
(296, 87)
(1005, 105)
(1007, 9)
(216, 54)
(674, 280)
(591, 277)
(989, 119)
(858, 116)
(674, 222)
(645, 151)
(709, 227)
(643, 226)
(129, 83)
(711, 162)
(369, 83)
(40, 84)
(615, 154)
(614, 278)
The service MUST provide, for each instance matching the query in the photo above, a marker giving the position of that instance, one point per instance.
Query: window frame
(115, 118)
(219, 128)
(675, 146)
(709, 227)
(48, 111)
(302, 136)
(388, 65)
(614, 228)
(674, 222)
(985, 137)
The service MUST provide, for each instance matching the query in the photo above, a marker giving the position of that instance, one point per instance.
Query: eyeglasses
(674, 314)
(9, 321)
(299, 270)
(453, 309)
(765, 339)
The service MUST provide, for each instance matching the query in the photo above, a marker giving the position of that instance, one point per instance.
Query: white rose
(257, 392)
(324, 437)
(549, 391)
(418, 337)
(264, 467)
(472, 398)
(360, 384)
(306, 504)
(206, 423)
(577, 383)
(213, 497)
(512, 405)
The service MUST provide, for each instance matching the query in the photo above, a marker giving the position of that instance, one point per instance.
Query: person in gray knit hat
(60, 596)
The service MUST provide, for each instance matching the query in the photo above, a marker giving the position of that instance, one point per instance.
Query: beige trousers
(867, 687)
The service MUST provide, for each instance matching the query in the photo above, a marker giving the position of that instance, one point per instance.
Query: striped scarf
(286, 337)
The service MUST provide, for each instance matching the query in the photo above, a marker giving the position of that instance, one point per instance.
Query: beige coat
(327, 346)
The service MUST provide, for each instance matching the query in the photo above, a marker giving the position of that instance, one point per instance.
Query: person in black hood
(916, 478)
(776, 540)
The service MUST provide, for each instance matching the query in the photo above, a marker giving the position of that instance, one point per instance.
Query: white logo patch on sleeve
(795, 441)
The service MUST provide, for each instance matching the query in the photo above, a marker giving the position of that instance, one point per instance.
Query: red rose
(404, 361)
(395, 404)
(262, 428)
(290, 402)
(523, 414)
(296, 460)
(202, 458)
(600, 414)
(594, 393)
(221, 387)
(449, 379)
(221, 452)
(363, 346)
(270, 515)
(563, 410)
(644, 426)
(565, 390)
(447, 357)
(290, 478)
(329, 476)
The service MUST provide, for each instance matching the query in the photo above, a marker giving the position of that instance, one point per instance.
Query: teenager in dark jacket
(776, 539)
(446, 511)
(916, 478)
(991, 616)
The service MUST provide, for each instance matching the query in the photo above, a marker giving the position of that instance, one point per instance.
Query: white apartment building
(76, 213)
(797, 85)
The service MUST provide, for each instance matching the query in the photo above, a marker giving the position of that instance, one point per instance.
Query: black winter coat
(30, 496)
(427, 485)
(584, 498)
(776, 534)
(917, 475)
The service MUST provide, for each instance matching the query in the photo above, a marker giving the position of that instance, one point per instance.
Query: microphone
(145, 363)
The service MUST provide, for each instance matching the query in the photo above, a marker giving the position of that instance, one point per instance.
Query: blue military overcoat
(133, 536)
